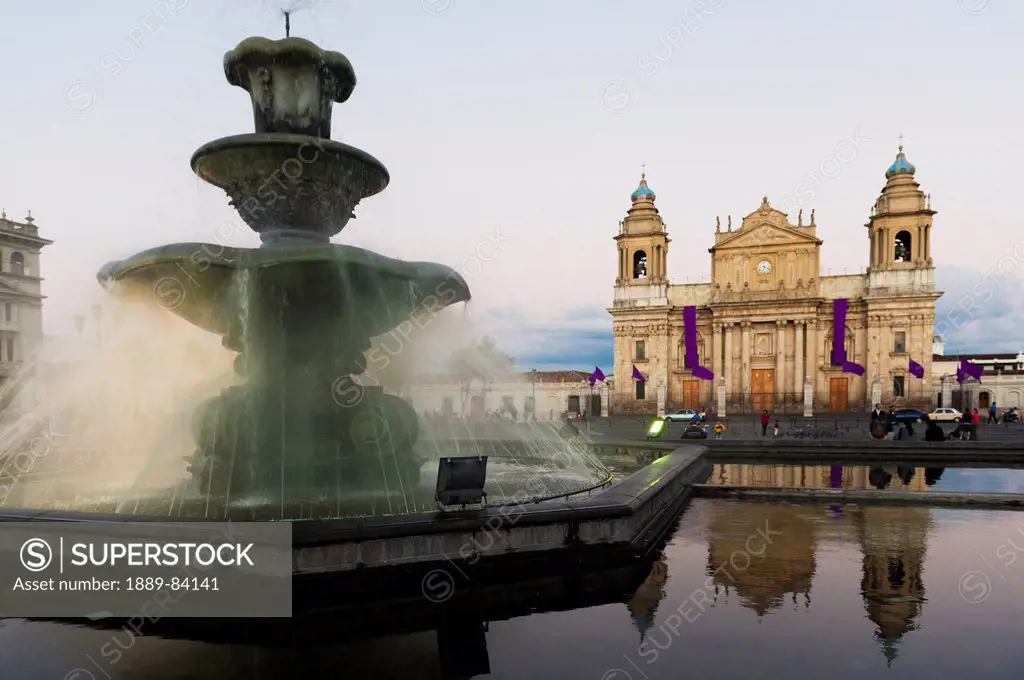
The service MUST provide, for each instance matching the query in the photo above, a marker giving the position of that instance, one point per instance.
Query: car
(695, 432)
(945, 415)
(910, 415)
(682, 416)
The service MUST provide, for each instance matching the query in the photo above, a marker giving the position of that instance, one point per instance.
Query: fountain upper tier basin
(290, 184)
(207, 284)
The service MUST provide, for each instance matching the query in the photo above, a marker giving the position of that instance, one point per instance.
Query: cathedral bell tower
(642, 241)
(900, 231)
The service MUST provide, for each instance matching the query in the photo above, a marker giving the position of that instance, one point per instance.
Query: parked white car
(945, 415)
(682, 416)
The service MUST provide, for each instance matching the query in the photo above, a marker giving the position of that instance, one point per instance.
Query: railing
(18, 228)
(788, 403)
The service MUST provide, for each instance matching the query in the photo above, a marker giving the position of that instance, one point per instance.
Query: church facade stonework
(765, 318)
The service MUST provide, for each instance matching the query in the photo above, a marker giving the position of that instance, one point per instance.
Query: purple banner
(851, 367)
(838, 331)
(836, 476)
(916, 369)
(968, 369)
(690, 357)
(703, 373)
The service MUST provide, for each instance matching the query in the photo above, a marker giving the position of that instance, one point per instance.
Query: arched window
(851, 350)
(17, 263)
(701, 354)
(901, 248)
(639, 265)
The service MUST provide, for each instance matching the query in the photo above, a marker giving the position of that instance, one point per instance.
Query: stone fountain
(299, 310)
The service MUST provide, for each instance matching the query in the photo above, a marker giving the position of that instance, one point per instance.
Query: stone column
(605, 392)
(947, 391)
(780, 359)
(662, 393)
(813, 346)
(745, 353)
(721, 398)
(876, 391)
(716, 348)
(798, 357)
(730, 386)
(808, 398)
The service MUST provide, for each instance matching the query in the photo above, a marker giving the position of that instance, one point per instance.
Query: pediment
(765, 234)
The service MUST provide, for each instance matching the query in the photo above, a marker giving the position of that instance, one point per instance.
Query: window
(901, 248)
(851, 350)
(10, 349)
(899, 342)
(17, 263)
(639, 265)
(641, 389)
(447, 406)
(897, 386)
(641, 350)
(8, 312)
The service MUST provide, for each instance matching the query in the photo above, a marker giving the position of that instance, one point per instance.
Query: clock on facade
(764, 267)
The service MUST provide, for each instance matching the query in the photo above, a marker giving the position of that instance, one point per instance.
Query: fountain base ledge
(338, 564)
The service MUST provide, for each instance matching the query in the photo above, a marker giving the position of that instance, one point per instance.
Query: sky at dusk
(531, 120)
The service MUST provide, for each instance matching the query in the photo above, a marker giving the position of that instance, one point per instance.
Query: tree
(481, 361)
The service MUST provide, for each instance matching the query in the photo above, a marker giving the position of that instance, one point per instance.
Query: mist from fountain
(120, 403)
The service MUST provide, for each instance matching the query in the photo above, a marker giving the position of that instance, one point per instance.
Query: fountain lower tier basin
(289, 182)
(319, 291)
(345, 564)
(267, 441)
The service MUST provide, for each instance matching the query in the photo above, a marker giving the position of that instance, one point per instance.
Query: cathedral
(764, 321)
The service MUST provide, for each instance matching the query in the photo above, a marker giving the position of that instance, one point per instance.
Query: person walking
(992, 414)
(775, 430)
(764, 423)
(719, 429)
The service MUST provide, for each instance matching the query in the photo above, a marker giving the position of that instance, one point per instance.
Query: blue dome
(643, 190)
(901, 166)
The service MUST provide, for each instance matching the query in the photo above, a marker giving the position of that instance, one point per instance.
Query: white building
(1002, 381)
(21, 316)
(546, 394)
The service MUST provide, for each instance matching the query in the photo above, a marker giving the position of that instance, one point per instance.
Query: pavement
(740, 427)
(850, 427)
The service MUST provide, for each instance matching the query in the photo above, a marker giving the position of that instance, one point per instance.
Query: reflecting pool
(741, 589)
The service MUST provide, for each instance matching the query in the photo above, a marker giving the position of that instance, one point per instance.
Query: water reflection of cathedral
(892, 541)
(822, 476)
(643, 606)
